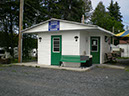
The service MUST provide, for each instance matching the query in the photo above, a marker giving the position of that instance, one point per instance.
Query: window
(56, 44)
(94, 46)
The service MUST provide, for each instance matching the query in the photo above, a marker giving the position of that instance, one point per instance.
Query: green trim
(95, 55)
(72, 58)
(56, 56)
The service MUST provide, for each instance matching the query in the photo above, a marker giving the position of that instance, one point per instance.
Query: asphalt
(30, 81)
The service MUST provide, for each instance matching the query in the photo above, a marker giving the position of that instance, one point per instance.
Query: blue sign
(54, 25)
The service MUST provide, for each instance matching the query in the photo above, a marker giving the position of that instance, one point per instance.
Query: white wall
(70, 26)
(105, 47)
(69, 45)
(126, 50)
(85, 44)
(44, 49)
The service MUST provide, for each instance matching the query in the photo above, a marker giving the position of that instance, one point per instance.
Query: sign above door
(54, 25)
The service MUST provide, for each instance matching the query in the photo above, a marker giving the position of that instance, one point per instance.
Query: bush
(5, 61)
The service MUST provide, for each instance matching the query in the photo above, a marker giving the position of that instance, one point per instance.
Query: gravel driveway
(29, 81)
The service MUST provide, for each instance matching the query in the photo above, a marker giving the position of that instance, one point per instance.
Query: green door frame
(95, 54)
(56, 49)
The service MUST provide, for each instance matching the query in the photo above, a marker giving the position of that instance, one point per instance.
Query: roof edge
(33, 26)
(109, 32)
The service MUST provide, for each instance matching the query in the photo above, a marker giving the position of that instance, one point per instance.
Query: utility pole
(113, 37)
(20, 29)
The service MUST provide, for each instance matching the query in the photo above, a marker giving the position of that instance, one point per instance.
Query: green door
(56, 48)
(95, 49)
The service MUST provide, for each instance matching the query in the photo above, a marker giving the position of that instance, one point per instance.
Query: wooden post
(20, 29)
(82, 21)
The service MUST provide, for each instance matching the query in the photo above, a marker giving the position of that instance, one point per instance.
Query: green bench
(73, 58)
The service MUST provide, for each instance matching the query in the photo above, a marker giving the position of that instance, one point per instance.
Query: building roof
(94, 27)
(123, 41)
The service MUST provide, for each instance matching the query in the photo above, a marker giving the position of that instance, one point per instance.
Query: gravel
(29, 81)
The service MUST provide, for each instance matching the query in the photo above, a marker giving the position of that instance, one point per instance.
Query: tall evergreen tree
(105, 19)
(98, 15)
(114, 11)
(117, 12)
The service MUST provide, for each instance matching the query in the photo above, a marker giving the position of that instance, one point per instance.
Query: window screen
(56, 44)
(94, 46)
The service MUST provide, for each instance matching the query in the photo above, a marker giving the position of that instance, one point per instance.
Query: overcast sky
(124, 4)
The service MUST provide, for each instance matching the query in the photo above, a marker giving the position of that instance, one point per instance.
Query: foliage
(35, 11)
(8, 22)
(106, 19)
(123, 58)
(29, 43)
(114, 11)
(127, 69)
(99, 15)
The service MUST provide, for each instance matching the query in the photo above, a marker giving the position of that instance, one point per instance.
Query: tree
(8, 21)
(29, 43)
(114, 11)
(99, 15)
(35, 11)
(105, 19)
(67, 9)
(88, 10)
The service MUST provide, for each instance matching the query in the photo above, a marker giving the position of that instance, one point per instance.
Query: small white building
(58, 37)
(124, 45)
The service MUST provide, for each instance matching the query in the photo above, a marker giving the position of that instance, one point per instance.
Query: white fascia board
(104, 30)
(72, 22)
(59, 31)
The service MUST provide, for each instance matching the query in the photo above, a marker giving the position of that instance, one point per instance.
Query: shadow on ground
(121, 62)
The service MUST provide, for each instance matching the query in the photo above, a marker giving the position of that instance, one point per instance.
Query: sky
(124, 4)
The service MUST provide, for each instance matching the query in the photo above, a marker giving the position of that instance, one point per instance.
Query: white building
(124, 45)
(58, 37)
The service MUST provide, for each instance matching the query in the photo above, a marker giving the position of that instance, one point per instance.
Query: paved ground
(29, 81)
(123, 62)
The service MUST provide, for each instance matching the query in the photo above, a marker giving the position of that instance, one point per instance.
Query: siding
(126, 50)
(85, 44)
(69, 45)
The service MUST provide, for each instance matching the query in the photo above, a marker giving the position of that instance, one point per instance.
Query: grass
(5, 65)
(127, 69)
(29, 59)
(1, 65)
(1, 69)
(122, 57)
(30, 66)
(37, 66)
(14, 61)
(26, 72)
(14, 71)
